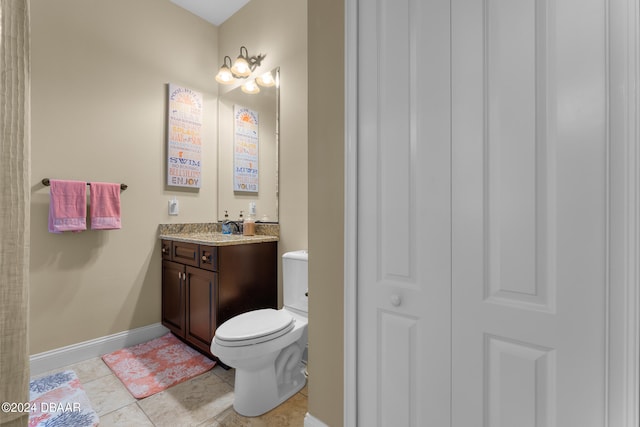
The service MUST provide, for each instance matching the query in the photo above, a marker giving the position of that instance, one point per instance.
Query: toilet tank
(295, 280)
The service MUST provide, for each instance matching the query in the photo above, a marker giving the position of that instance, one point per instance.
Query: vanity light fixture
(241, 68)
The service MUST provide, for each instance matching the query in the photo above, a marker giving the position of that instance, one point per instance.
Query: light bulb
(266, 80)
(250, 87)
(241, 67)
(224, 76)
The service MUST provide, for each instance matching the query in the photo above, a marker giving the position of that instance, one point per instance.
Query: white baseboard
(311, 421)
(64, 356)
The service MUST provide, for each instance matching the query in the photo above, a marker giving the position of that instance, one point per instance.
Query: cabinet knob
(204, 257)
(164, 250)
(395, 300)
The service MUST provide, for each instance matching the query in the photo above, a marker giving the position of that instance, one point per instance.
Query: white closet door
(529, 203)
(482, 213)
(404, 213)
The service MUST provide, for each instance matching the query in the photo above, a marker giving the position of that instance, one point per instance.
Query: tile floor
(205, 400)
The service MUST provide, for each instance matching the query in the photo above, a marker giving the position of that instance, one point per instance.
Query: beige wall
(326, 209)
(99, 75)
(278, 28)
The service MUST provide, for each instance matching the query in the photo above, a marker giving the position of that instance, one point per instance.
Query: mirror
(248, 139)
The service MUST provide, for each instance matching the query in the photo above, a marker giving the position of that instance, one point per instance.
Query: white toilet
(266, 346)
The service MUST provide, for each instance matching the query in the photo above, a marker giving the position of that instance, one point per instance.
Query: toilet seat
(254, 327)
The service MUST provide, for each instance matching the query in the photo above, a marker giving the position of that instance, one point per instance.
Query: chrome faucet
(236, 225)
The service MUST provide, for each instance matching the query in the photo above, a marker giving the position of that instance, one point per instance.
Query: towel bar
(45, 182)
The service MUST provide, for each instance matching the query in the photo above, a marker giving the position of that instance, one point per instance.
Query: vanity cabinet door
(173, 297)
(202, 295)
(248, 277)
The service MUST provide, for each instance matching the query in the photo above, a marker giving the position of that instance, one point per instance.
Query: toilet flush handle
(395, 300)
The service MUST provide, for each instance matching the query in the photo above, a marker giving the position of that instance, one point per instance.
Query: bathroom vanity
(209, 277)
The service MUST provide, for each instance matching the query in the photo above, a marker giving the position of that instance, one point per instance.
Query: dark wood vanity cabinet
(203, 286)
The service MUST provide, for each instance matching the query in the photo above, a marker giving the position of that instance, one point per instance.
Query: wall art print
(184, 141)
(245, 149)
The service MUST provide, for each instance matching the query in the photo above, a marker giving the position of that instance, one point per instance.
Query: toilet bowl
(266, 346)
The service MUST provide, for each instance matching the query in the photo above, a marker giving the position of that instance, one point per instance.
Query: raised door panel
(248, 278)
(186, 253)
(173, 297)
(519, 387)
(201, 295)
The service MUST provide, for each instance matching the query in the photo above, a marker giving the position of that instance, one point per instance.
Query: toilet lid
(254, 327)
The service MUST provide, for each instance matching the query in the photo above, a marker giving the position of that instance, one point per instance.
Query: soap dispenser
(241, 224)
(249, 228)
(226, 227)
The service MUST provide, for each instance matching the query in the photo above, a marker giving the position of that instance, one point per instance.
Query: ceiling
(214, 11)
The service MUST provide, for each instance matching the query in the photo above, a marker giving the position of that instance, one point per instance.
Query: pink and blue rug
(59, 400)
(156, 365)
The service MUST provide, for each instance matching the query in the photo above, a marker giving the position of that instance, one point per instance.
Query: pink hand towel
(67, 206)
(105, 206)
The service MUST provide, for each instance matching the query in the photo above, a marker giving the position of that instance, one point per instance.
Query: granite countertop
(210, 234)
(217, 239)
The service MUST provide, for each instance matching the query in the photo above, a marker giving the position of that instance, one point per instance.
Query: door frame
(623, 289)
(350, 214)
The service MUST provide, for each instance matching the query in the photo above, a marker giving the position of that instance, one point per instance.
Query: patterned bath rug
(58, 400)
(154, 366)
